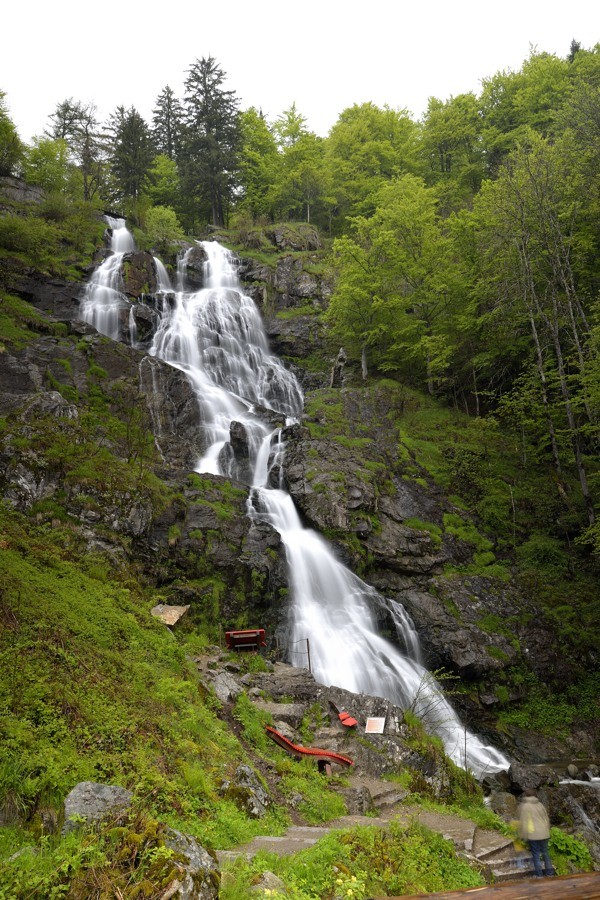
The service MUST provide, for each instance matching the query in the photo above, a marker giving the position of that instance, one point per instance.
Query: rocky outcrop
(15, 190)
(247, 792)
(316, 707)
(199, 877)
(195, 259)
(281, 290)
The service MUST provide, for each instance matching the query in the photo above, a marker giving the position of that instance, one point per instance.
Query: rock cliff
(385, 518)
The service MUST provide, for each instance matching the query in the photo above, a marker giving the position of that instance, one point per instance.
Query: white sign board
(375, 726)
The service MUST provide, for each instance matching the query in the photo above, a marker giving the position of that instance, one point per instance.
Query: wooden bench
(248, 639)
(324, 757)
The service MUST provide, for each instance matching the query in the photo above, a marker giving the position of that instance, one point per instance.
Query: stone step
(516, 866)
(511, 874)
(295, 839)
(386, 801)
(489, 845)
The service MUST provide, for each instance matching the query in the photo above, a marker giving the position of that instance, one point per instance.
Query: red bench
(248, 639)
(324, 757)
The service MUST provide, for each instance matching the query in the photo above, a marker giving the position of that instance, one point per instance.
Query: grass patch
(361, 862)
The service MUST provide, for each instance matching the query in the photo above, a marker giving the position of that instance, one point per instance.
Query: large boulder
(91, 802)
(247, 792)
(533, 777)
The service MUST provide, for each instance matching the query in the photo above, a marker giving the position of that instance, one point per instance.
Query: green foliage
(11, 148)
(93, 688)
(554, 713)
(466, 531)
(46, 164)
(318, 804)
(258, 169)
(568, 853)
(433, 530)
(253, 722)
(52, 236)
(163, 185)
(32, 238)
(162, 227)
(208, 155)
(362, 862)
(20, 322)
(545, 554)
(128, 859)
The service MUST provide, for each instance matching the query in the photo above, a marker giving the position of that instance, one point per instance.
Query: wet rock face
(578, 807)
(337, 494)
(194, 268)
(287, 286)
(139, 274)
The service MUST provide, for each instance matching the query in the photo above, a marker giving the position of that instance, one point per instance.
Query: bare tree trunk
(566, 394)
(475, 391)
(544, 386)
(363, 362)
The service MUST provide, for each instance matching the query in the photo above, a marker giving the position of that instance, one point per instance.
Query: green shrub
(30, 237)
(545, 554)
(568, 853)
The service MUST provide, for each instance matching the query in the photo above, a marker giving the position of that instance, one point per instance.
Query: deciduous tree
(11, 148)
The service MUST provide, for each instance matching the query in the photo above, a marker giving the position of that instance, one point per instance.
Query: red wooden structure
(324, 757)
(347, 720)
(248, 639)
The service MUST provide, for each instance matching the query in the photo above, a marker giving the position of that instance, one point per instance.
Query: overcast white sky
(324, 55)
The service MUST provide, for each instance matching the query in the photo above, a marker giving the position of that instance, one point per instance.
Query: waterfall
(104, 305)
(215, 335)
(162, 277)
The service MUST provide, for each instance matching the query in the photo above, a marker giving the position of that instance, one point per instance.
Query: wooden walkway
(565, 887)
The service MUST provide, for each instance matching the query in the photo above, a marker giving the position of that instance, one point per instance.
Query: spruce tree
(132, 154)
(211, 140)
(167, 118)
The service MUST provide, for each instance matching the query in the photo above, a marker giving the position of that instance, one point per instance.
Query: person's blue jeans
(539, 850)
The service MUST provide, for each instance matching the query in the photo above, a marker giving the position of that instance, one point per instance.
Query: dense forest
(454, 259)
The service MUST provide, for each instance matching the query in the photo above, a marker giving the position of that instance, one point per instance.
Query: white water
(104, 303)
(162, 276)
(216, 337)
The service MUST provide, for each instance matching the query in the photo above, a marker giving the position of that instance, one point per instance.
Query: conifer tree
(132, 153)
(167, 118)
(211, 140)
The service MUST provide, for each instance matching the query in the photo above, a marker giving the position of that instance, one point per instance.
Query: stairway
(498, 856)
(491, 851)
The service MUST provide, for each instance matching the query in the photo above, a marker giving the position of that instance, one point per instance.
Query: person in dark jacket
(534, 827)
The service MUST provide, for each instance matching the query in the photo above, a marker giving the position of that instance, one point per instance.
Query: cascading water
(103, 303)
(216, 337)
